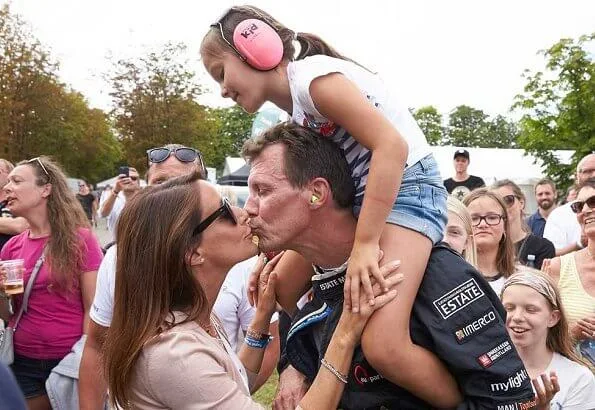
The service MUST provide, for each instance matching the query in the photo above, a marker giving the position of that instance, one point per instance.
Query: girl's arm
(339, 100)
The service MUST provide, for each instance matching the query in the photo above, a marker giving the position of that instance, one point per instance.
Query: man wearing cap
(462, 183)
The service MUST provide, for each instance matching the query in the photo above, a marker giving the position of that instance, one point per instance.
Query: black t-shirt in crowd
(87, 203)
(461, 188)
(4, 213)
(540, 247)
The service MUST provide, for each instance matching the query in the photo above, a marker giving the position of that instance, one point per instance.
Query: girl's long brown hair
(310, 44)
(153, 277)
(506, 253)
(65, 250)
(558, 339)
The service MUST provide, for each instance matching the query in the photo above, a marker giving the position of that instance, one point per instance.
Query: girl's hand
(265, 298)
(351, 325)
(546, 390)
(362, 266)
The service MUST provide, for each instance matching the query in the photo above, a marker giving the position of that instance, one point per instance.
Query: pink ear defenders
(255, 42)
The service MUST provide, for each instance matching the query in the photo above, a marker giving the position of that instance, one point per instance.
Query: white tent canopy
(492, 164)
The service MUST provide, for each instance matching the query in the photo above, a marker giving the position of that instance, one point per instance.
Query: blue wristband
(257, 343)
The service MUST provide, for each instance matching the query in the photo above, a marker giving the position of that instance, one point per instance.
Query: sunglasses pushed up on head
(182, 154)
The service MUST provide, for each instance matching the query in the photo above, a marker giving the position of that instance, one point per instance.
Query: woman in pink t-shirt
(63, 290)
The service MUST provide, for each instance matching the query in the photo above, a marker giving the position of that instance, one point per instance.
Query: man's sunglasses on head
(182, 154)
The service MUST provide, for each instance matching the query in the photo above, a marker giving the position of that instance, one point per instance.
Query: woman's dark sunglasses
(224, 210)
(509, 200)
(577, 206)
(183, 154)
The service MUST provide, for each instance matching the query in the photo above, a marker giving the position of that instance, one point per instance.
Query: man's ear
(318, 191)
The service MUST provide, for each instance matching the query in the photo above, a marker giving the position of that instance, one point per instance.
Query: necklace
(209, 328)
(493, 278)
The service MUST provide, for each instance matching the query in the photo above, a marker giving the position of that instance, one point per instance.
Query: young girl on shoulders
(400, 199)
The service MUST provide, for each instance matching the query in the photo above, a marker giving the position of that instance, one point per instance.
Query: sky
(442, 53)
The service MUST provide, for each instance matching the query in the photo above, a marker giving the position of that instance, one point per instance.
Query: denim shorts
(31, 374)
(421, 201)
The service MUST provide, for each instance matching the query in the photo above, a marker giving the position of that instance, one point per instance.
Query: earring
(313, 199)
(201, 260)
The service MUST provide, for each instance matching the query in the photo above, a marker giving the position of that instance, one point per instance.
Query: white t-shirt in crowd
(562, 227)
(112, 218)
(577, 385)
(497, 285)
(231, 306)
(301, 73)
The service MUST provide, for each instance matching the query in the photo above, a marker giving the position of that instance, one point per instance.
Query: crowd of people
(353, 267)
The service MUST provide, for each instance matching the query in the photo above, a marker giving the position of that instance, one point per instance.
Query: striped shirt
(577, 302)
(302, 72)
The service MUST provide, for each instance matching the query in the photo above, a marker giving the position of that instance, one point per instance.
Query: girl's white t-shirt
(301, 73)
(577, 385)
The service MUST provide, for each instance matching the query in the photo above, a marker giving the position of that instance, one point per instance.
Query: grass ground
(266, 393)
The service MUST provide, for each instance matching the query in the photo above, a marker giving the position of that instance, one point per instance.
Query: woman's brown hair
(65, 250)
(310, 44)
(153, 277)
(506, 254)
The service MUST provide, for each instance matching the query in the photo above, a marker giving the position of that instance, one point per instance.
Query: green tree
(471, 127)
(154, 98)
(430, 121)
(40, 115)
(558, 107)
(500, 133)
(466, 127)
(233, 126)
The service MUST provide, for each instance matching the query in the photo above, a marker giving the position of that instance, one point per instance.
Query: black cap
(461, 153)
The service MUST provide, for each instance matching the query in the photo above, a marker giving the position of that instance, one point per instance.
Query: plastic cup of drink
(13, 285)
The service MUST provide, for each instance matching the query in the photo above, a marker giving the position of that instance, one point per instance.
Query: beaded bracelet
(257, 343)
(257, 335)
(330, 368)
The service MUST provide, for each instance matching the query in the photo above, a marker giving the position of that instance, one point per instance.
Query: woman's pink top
(54, 320)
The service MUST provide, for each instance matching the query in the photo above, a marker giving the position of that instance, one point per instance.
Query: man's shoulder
(476, 180)
(561, 212)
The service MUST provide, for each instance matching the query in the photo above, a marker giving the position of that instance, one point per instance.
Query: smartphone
(124, 170)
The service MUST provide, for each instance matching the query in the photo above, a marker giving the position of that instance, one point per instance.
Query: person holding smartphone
(127, 183)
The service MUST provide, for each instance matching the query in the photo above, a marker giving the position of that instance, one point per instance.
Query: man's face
(461, 163)
(278, 212)
(545, 196)
(168, 169)
(134, 183)
(83, 189)
(586, 169)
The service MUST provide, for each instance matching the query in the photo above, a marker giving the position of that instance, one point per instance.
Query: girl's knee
(387, 349)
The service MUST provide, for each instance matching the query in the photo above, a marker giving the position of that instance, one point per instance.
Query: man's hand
(292, 387)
